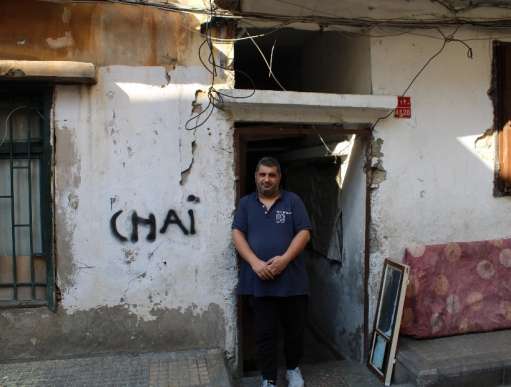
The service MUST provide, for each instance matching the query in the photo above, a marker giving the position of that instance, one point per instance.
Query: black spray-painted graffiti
(171, 218)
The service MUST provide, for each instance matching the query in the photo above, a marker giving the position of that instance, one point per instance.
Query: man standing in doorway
(270, 229)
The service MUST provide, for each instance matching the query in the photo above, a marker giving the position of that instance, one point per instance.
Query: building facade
(121, 161)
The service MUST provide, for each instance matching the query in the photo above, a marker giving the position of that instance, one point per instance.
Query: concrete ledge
(477, 359)
(304, 107)
(53, 71)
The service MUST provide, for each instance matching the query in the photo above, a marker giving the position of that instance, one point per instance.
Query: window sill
(51, 71)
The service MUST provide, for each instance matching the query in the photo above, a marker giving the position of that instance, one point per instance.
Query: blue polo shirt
(269, 233)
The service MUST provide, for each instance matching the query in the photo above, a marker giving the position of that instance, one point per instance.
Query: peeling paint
(129, 255)
(440, 164)
(97, 33)
(376, 173)
(62, 42)
(376, 148)
(120, 144)
(185, 173)
(485, 145)
(96, 271)
(73, 200)
(196, 104)
(15, 73)
(65, 154)
(66, 15)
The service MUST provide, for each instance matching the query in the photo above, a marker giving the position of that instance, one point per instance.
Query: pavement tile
(343, 373)
(172, 369)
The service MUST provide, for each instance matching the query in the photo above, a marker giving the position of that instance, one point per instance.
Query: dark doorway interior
(309, 171)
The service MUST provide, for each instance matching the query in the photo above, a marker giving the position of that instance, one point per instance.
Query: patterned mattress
(458, 288)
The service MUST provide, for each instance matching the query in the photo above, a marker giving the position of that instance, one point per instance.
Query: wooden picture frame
(388, 319)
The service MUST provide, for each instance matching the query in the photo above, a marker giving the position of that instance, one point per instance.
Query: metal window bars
(26, 274)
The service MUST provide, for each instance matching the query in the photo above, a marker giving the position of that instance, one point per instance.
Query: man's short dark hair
(268, 161)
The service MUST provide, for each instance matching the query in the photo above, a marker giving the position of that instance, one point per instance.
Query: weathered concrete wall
(103, 34)
(435, 180)
(121, 145)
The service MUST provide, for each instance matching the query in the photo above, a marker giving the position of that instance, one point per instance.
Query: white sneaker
(267, 383)
(294, 378)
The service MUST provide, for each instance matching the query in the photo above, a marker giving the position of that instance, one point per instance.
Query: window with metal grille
(26, 261)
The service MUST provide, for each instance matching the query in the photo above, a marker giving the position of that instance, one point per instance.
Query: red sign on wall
(404, 108)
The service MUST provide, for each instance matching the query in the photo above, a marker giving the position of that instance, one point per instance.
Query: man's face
(267, 180)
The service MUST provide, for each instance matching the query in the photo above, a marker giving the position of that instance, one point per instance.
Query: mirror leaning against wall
(388, 319)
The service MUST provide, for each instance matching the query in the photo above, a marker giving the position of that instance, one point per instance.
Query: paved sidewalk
(344, 373)
(201, 368)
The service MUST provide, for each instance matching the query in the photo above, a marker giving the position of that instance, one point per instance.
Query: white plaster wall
(438, 185)
(130, 148)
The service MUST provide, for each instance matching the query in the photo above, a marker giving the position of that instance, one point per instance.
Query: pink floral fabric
(458, 288)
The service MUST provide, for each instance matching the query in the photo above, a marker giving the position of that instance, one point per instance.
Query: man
(270, 229)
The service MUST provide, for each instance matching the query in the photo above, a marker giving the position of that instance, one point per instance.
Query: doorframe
(268, 131)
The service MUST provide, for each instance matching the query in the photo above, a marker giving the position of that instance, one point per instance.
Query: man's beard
(267, 191)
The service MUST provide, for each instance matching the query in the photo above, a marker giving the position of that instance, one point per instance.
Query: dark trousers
(291, 314)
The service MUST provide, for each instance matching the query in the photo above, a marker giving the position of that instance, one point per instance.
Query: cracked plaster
(439, 164)
(181, 282)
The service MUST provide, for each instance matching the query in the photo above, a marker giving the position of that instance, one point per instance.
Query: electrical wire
(470, 6)
(303, 7)
(272, 74)
(215, 97)
(238, 39)
(334, 20)
(330, 19)
(446, 39)
(271, 56)
(211, 59)
(323, 142)
(417, 75)
(172, 7)
(265, 61)
(351, 34)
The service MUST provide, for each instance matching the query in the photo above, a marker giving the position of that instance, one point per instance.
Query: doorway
(323, 164)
